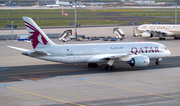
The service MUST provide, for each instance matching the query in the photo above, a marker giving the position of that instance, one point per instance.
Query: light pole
(75, 20)
(176, 11)
(133, 29)
(12, 30)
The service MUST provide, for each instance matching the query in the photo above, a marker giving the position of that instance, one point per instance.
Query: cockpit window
(164, 48)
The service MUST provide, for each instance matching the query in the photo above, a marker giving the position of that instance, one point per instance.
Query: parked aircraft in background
(161, 30)
(79, 6)
(52, 5)
(136, 54)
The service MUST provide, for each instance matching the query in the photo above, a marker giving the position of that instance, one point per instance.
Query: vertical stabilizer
(37, 36)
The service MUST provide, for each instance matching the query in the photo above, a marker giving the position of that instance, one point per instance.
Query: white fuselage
(92, 52)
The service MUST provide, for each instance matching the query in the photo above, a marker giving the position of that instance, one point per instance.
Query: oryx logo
(36, 36)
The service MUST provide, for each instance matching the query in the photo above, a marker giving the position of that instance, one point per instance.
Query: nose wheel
(158, 61)
(109, 67)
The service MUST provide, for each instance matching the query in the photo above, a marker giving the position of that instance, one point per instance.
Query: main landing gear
(108, 67)
(177, 37)
(92, 65)
(161, 38)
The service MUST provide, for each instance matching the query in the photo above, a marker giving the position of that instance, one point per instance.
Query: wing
(116, 57)
(159, 32)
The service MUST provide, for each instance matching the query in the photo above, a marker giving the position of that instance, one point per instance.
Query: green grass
(47, 22)
(161, 13)
(161, 19)
(82, 13)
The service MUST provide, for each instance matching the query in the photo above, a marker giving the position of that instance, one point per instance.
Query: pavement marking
(4, 85)
(131, 89)
(80, 79)
(45, 96)
(154, 103)
(4, 69)
(114, 98)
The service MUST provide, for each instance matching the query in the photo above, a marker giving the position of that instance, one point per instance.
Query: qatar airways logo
(36, 36)
(136, 50)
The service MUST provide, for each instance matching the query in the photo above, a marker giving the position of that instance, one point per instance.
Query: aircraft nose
(168, 53)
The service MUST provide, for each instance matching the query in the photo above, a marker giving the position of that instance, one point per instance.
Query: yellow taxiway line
(131, 89)
(45, 96)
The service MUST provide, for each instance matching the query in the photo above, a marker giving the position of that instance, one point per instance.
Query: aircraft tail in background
(37, 36)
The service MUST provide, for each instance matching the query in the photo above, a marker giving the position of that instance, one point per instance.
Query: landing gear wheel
(162, 38)
(157, 62)
(113, 68)
(95, 65)
(92, 65)
(109, 67)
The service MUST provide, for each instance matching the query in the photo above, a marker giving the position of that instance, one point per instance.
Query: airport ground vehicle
(113, 39)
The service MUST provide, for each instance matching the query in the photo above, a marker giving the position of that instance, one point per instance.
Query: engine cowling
(146, 35)
(139, 61)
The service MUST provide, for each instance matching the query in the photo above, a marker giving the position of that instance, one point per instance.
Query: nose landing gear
(158, 61)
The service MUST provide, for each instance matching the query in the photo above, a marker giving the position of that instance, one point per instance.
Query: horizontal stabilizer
(36, 53)
(17, 48)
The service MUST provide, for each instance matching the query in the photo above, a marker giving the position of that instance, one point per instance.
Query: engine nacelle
(139, 61)
(146, 35)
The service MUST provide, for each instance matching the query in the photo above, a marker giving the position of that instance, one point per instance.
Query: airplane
(52, 5)
(136, 54)
(79, 6)
(162, 30)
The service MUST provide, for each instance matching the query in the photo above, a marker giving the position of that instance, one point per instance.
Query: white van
(23, 37)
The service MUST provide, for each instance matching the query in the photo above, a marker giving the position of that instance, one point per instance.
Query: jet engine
(146, 35)
(139, 61)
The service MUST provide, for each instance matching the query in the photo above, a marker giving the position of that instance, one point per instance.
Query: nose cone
(168, 53)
